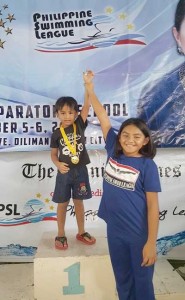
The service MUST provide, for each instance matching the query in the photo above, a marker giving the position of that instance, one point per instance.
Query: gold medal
(72, 148)
(75, 159)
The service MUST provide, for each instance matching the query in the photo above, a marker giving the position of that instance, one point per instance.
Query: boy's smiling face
(67, 116)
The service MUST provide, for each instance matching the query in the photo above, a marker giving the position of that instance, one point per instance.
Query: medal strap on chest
(71, 147)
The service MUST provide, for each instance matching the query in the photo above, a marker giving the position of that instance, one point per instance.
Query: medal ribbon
(72, 148)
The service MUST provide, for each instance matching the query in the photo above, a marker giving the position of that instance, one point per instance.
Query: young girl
(129, 203)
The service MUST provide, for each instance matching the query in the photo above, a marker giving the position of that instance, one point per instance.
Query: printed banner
(27, 210)
(45, 48)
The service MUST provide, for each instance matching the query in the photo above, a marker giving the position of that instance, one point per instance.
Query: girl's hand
(149, 254)
(63, 167)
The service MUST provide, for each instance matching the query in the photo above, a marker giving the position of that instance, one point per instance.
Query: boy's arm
(54, 157)
(61, 166)
(86, 106)
(97, 106)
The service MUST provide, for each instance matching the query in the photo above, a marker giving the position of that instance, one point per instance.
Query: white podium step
(85, 272)
(80, 272)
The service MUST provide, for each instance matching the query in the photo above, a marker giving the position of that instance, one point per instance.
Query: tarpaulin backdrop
(27, 211)
(44, 48)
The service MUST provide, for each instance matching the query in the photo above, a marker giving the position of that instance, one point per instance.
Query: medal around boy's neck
(72, 148)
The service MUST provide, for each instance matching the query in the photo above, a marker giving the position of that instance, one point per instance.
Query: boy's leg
(79, 211)
(61, 240)
(61, 218)
(81, 190)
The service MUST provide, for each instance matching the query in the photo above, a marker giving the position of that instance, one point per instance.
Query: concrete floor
(16, 281)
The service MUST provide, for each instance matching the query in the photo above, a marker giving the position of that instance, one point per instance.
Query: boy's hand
(63, 168)
(88, 76)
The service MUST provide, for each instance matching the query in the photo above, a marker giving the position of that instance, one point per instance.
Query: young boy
(70, 156)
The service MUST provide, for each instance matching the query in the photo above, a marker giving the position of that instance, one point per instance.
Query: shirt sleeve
(80, 123)
(151, 177)
(110, 141)
(54, 142)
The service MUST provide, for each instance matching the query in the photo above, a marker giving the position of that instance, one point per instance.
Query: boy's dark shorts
(74, 184)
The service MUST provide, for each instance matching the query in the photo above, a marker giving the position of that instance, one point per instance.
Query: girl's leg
(121, 263)
(143, 275)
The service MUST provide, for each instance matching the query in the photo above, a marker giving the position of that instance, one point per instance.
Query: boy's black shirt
(65, 155)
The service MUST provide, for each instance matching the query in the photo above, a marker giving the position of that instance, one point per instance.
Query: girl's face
(180, 36)
(132, 140)
(67, 116)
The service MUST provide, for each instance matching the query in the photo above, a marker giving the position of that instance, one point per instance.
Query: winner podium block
(80, 272)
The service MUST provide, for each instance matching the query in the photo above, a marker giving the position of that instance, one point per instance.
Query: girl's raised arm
(97, 106)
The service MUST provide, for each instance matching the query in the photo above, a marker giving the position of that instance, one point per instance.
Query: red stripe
(122, 42)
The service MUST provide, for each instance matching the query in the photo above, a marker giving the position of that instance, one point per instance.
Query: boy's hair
(66, 100)
(148, 150)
